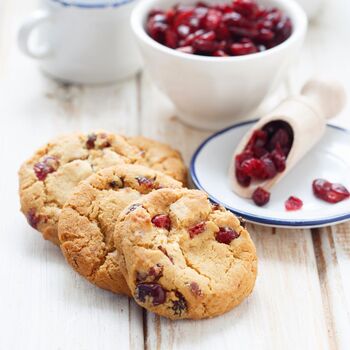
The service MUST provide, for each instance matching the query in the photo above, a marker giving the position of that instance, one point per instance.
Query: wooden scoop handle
(327, 96)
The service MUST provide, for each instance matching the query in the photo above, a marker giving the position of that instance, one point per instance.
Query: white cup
(82, 41)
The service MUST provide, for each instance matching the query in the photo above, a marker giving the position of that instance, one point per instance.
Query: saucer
(329, 159)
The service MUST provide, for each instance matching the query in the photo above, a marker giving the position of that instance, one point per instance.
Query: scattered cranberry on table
(329, 192)
(293, 203)
(238, 28)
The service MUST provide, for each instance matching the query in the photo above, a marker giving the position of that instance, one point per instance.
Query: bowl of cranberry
(217, 60)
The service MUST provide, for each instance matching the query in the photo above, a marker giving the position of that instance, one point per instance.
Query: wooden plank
(332, 248)
(44, 304)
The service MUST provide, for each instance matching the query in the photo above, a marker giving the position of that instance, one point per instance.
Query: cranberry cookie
(184, 257)
(88, 218)
(49, 177)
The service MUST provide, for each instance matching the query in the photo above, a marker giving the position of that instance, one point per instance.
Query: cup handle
(36, 19)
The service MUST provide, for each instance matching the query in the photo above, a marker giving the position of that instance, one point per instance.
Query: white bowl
(212, 92)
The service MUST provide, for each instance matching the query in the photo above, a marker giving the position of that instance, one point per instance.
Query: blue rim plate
(329, 159)
(93, 5)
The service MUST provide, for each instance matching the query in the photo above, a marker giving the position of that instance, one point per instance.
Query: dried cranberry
(162, 221)
(274, 16)
(32, 218)
(145, 182)
(252, 167)
(117, 183)
(258, 139)
(260, 169)
(231, 19)
(213, 19)
(283, 30)
(90, 142)
(245, 27)
(196, 229)
(329, 192)
(205, 42)
(246, 155)
(226, 235)
(266, 34)
(265, 153)
(239, 49)
(243, 179)
(156, 272)
(270, 168)
(171, 38)
(279, 159)
(151, 290)
(247, 8)
(293, 203)
(259, 152)
(281, 138)
(47, 166)
(195, 290)
(179, 305)
(261, 196)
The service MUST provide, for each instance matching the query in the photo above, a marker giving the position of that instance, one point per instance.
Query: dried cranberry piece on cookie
(152, 290)
(196, 229)
(226, 235)
(162, 221)
(47, 166)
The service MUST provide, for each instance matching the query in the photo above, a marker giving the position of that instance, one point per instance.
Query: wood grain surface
(302, 295)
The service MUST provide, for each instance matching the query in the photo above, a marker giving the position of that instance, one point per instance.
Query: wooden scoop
(307, 115)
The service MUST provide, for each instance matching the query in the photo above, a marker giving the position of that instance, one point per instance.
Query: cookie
(49, 177)
(88, 218)
(161, 157)
(184, 257)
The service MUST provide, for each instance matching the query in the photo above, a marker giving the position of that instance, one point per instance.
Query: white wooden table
(302, 295)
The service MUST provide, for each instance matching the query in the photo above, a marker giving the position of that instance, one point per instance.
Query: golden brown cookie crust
(161, 157)
(184, 271)
(87, 221)
(71, 158)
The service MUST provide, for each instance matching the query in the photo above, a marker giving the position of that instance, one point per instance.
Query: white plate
(330, 160)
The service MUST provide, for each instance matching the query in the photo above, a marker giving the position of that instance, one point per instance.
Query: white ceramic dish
(213, 92)
(329, 159)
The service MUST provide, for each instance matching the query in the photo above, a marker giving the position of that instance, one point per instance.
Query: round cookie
(88, 218)
(184, 257)
(49, 177)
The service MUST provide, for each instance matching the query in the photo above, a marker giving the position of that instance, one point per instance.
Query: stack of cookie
(117, 208)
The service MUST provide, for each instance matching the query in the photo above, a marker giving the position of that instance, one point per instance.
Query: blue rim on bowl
(257, 218)
(95, 5)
